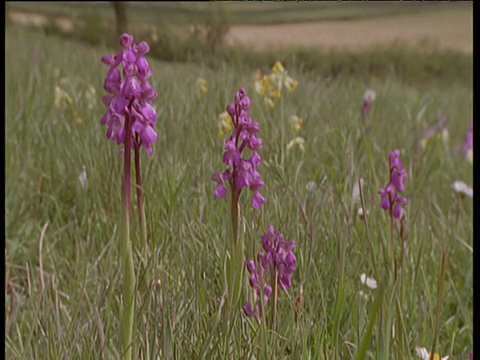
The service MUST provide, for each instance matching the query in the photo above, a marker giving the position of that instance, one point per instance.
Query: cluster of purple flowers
(130, 100)
(278, 259)
(390, 194)
(241, 172)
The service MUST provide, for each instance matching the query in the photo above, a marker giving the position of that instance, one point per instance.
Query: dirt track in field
(451, 29)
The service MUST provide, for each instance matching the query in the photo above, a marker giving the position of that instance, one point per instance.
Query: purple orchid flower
(129, 98)
(277, 258)
(390, 198)
(241, 171)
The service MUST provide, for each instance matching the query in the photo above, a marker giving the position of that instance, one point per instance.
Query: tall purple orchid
(391, 199)
(242, 159)
(241, 172)
(130, 118)
(278, 261)
(129, 101)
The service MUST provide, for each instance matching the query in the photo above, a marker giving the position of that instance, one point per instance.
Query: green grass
(62, 268)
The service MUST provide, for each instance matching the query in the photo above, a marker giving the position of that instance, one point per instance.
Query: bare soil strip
(452, 29)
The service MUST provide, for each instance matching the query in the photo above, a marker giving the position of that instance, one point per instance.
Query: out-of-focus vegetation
(195, 32)
(244, 12)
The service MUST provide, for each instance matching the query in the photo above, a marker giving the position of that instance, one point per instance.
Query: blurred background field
(61, 255)
(363, 38)
(242, 13)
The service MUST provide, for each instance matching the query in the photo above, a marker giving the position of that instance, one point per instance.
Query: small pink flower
(390, 198)
(368, 99)
(462, 188)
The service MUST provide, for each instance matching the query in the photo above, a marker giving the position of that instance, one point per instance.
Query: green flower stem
(234, 269)
(126, 252)
(141, 218)
(283, 140)
(390, 243)
(128, 291)
(439, 304)
(275, 299)
(141, 215)
(235, 276)
(234, 216)
(402, 296)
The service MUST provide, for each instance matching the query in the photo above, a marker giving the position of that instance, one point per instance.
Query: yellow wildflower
(61, 98)
(297, 141)
(277, 67)
(291, 84)
(275, 88)
(269, 103)
(202, 88)
(275, 92)
(262, 85)
(270, 86)
(296, 123)
(224, 122)
(91, 96)
(282, 79)
(77, 117)
(65, 102)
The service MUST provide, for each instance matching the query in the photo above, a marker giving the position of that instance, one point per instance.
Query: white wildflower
(311, 187)
(369, 95)
(83, 177)
(462, 188)
(360, 213)
(356, 192)
(371, 283)
(425, 355)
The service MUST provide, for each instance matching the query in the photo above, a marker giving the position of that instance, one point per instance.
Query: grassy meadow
(63, 278)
